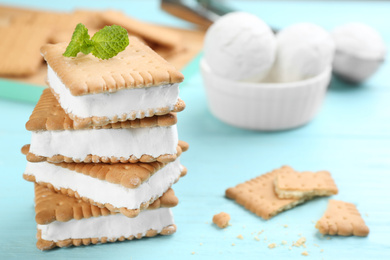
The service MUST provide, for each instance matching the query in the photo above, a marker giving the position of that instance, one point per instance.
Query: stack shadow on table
(104, 150)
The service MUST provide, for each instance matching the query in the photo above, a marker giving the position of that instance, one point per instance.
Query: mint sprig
(105, 44)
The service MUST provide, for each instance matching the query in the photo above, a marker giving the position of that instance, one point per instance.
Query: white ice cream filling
(78, 144)
(110, 104)
(111, 226)
(102, 191)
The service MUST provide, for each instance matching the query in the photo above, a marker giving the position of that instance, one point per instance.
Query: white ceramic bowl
(264, 106)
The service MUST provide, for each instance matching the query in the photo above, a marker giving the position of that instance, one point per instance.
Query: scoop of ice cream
(240, 46)
(360, 51)
(304, 50)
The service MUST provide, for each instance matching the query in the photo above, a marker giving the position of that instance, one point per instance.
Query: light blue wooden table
(350, 137)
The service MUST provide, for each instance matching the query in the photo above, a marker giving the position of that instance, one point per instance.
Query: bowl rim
(296, 84)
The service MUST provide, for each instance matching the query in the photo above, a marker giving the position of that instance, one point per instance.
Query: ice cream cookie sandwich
(126, 188)
(63, 221)
(136, 83)
(56, 137)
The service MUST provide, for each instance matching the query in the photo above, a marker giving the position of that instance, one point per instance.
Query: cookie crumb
(233, 244)
(305, 253)
(316, 245)
(300, 242)
(271, 246)
(265, 238)
(322, 250)
(313, 222)
(289, 248)
(286, 226)
(193, 253)
(256, 238)
(240, 237)
(221, 219)
(327, 238)
(366, 215)
(201, 244)
(284, 242)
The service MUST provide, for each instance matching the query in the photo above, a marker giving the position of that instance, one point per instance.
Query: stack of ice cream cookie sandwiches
(104, 150)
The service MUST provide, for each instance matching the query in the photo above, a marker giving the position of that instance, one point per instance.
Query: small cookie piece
(221, 219)
(290, 184)
(64, 221)
(258, 195)
(342, 218)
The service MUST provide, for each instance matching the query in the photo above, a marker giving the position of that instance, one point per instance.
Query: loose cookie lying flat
(290, 184)
(258, 195)
(64, 221)
(342, 218)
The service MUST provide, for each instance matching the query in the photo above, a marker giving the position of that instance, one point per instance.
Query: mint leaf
(80, 39)
(109, 41)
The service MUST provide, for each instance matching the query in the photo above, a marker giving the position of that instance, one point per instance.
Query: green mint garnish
(105, 44)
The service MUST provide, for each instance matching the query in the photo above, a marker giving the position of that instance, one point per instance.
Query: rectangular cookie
(126, 188)
(137, 83)
(16, 59)
(290, 184)
(63, 221)
(258, 195)
(342, 218)
(54, 136)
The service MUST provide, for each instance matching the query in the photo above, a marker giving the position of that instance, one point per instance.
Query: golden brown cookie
(258, 195)
(52, 206)
(221, 219)
(48, 115)
(137, 66)
(342, 218)
(98, 159)
(47, 245)
(146, 31)
(19, 49)
(290, 184)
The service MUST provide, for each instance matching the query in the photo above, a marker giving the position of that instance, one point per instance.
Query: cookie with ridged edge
(16, 59)
(167, 200)
(48, 115)
(182, 146)
(258, 195)
(97, 121)
(47, 245)
(137, 66)
(290, 184)
(342, 218)
(52, 206)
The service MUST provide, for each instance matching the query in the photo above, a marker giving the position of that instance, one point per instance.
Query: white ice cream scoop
(239, 46)
(304, 51)
(360, 50)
